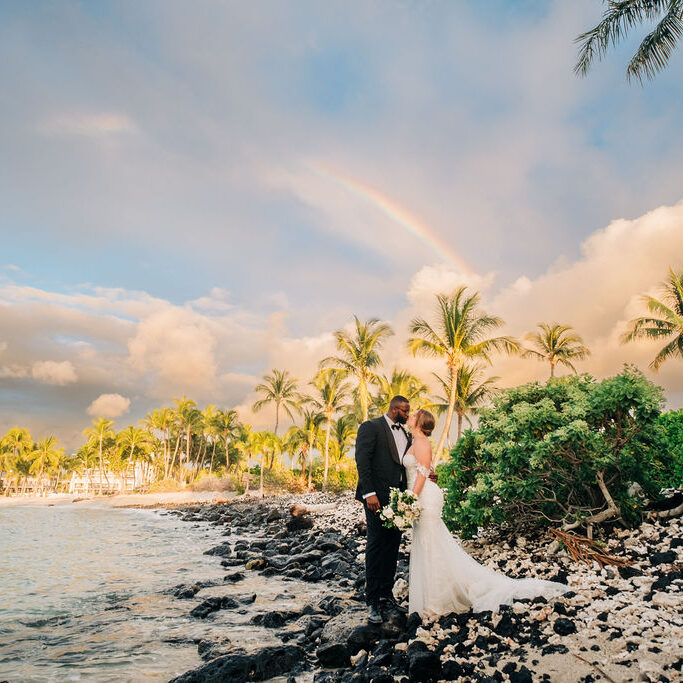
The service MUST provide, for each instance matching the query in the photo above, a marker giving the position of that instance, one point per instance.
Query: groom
(380, 446)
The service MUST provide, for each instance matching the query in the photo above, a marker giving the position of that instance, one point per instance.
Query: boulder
(239, 667)
(211, 605)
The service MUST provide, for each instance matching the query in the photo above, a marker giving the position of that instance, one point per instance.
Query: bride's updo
(425, 421)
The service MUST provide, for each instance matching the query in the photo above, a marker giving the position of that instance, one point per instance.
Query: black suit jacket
(378, 460)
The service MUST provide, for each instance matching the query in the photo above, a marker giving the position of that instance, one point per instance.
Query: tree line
(184, 442)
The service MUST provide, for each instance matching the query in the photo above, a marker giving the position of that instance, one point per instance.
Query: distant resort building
(136, 477)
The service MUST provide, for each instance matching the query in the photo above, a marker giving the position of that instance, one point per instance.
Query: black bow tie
(396, 425)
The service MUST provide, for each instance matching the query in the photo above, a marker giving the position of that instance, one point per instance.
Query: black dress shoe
(391, 604)
(375, 615)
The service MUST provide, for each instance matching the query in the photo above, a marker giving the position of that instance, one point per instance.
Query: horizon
(194, 196)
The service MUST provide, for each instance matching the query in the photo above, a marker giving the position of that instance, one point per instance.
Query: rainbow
(394, 212)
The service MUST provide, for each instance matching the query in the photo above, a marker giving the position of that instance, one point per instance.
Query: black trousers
(381, 556)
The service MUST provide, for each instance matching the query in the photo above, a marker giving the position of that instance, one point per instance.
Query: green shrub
(539, 453)
(338, 480)
(280, 481)
(673, 425)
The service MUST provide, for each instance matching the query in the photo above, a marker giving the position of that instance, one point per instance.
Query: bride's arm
(423, 454)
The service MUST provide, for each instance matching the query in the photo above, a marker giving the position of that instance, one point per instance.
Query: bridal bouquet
(402, 511)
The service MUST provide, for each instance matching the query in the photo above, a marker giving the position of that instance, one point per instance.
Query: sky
(194, 193)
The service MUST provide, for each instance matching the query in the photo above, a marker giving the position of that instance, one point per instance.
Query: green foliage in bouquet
(562, 453)
(402, 511)
(673, 425)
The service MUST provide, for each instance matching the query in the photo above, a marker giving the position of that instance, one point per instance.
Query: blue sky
(163, 150)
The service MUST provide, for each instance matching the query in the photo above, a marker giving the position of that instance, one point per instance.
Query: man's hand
(373, 503)
(433, 476)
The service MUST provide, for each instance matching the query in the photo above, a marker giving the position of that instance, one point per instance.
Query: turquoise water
(83, 593)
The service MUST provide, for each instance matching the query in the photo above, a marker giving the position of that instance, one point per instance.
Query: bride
(443, 577)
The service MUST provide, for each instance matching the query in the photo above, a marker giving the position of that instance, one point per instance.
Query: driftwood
(587, 550)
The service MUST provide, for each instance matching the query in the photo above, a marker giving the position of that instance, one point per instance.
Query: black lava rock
(211, 605)
(506, 627)
(564, 626)
(424, 666)
(667, 557)
(521, 676)
(240, 667)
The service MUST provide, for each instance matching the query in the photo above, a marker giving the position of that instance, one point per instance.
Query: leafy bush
(673, 425)
(338, 480)
(280, 481)
(565, 452)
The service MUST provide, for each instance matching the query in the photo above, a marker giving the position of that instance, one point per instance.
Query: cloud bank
(116, 343)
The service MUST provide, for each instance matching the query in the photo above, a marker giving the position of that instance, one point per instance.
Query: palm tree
(247, 444)
(133, 443)
(161, 420)
(281, 389)
(46, 456)
(359, 355)
(189, 418)
(556, 344)
(401, 383)
(666, 320)
(295, 442)
(227, 425)
(459, 334)
(332, 393)
(618, 19)
(98, 433)
(18, 443)
(471, 393)
(267, 443)
(343, 436)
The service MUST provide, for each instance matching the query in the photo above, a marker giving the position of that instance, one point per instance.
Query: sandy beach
(150, 500)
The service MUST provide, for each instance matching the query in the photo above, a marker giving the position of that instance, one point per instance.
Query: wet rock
(258, 563)
(240, 667)
(222, 550)
(274, 619)
(211, 605)
(210, 649)
(233, 577)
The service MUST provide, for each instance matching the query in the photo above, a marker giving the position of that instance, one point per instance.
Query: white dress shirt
(401, 439)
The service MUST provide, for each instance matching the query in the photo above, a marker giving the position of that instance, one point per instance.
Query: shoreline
(141, 500)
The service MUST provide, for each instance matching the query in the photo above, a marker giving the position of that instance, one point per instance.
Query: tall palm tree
(295, 442)
(401, 383)
(471, 393)
(459, 334)
(100, 432)
(161, 421)
(331, 394)
(189, 418)
(227, 426)
(46, 455)
(618, 19)
(666, 320)
(556, 344)
(247, 444)
(134, 444)
(281, 389)
(359, 355)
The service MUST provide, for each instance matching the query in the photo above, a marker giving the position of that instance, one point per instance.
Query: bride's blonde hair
(425, 421)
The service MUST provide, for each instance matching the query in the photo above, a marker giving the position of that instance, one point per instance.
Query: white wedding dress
(443, 577)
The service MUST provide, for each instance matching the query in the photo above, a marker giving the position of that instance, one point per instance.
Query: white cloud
(109, 405)
(54, 372)
(88, 124)
(176, 348)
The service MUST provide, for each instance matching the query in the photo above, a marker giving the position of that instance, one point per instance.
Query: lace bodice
(413, 467)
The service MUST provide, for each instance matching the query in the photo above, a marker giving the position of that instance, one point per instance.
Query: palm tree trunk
(363, 396)
(552, 367)
(213, 453)
(263, 462)
(310, 465)
(460, 416)
(277, 416)
(101, 466)
(449, 417)
(327, 451)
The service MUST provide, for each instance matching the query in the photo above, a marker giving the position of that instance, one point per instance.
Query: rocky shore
(621, 624)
